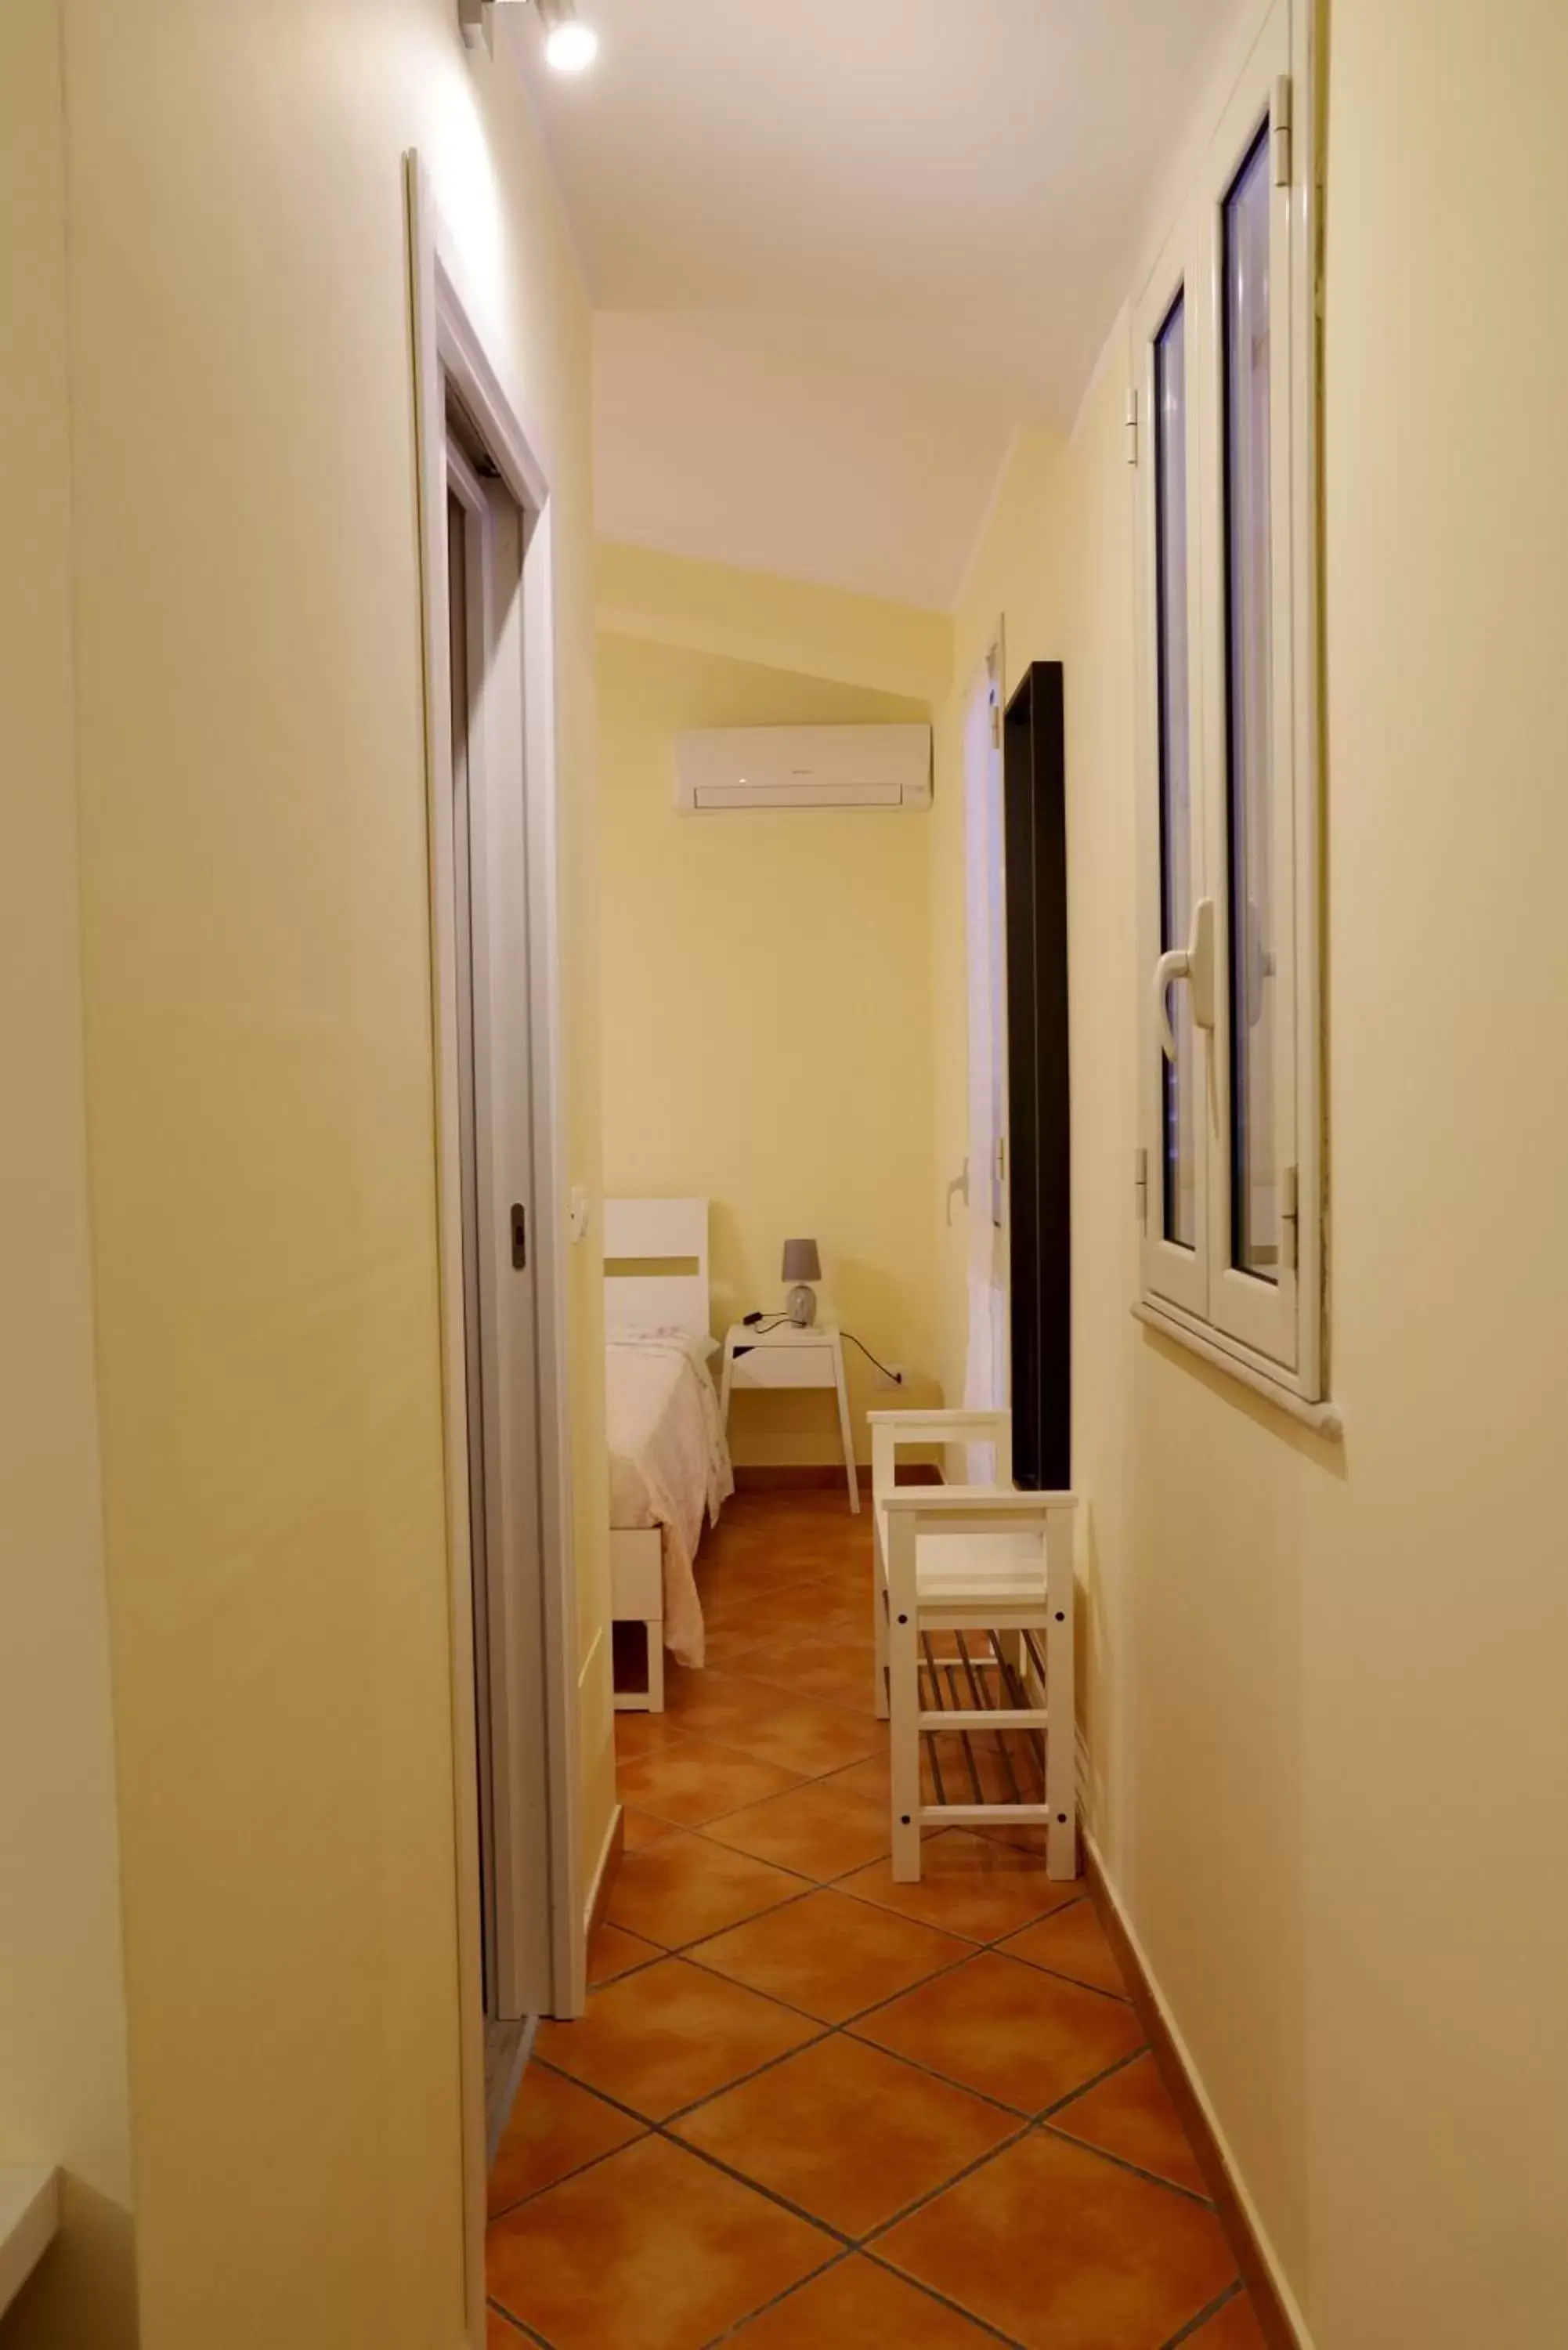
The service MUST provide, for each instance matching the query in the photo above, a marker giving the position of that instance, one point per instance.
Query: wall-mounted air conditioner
(803, 767)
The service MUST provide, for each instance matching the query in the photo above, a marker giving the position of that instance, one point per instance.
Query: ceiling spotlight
(569, 45)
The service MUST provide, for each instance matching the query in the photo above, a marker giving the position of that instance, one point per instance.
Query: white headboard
(647, 1232)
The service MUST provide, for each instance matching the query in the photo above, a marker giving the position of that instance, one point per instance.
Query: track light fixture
(569, 43)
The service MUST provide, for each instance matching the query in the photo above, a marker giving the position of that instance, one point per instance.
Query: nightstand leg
(847, 1430)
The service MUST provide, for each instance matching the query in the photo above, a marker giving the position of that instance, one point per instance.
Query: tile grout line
(1212, 2309)
(691, 1953)
(1122, 2162)
(864, 2246)
(1024, 2113)
(824, 2031)
(849, 2245)
(845, 2243)
(668, 2129)
(1025, 2116)
(918, 2203)
(885, 2226)
(679, 1738)
(664, 2126)
(863, 2015)
(1028, 2124)
(679, 1950)
(1056, 1973)
(809, 1779)
(917, 2285)
(1048, 2113)
(970, 2317)
(645, 2128)
(843, 1884)
(803, 1779)
(638, 1967)
(858, 1868)
(518, 2324)
(765, 2308)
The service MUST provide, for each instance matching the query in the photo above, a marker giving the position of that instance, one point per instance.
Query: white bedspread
(668, 1463)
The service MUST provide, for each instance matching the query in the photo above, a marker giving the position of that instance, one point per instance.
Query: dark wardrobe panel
(1040, 1204)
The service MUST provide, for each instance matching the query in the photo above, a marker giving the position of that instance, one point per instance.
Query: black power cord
(897, 1376)
(761, 1324)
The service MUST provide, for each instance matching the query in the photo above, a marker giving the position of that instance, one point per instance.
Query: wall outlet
(893, 1377)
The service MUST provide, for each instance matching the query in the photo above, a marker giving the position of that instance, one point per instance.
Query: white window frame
(1270, 1333)
(1173, 1277)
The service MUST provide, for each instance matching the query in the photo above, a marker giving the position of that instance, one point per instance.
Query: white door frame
(988, 1269)
(451, 350)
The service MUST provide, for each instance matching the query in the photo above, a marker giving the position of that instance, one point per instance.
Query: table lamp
(801, 1265)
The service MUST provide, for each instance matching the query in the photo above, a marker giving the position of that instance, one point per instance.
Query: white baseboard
(1266, 2253)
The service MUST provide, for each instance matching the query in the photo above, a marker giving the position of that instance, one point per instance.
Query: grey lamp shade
(802, 1261)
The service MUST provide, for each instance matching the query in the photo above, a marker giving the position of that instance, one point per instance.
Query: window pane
(1255, 1206)
(1175, 767)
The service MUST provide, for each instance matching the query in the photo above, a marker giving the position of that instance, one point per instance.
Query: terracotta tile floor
(809, 2109)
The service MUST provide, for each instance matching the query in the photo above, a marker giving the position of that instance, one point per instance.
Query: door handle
(1195, 963)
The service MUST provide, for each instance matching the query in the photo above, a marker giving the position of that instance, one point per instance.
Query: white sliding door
(489, 934)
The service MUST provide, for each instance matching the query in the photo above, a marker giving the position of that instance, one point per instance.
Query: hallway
(807, 2106)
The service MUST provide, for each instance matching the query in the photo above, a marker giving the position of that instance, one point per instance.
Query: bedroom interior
(787, 947)
(554, 1790)
(763, 974)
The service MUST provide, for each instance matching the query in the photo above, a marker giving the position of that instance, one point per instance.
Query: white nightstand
(785, 1356)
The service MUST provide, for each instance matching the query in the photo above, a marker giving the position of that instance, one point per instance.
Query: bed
(668, 1463)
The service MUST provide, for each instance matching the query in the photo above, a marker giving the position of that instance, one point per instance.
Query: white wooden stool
(964, 1560)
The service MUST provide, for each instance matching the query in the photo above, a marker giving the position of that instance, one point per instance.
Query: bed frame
(656, 1274)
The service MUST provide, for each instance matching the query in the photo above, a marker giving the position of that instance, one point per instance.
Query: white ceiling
(790, 207)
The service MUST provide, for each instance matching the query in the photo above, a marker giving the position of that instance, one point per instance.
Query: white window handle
(1195, 963)
(1261, 963)
(1171, 966)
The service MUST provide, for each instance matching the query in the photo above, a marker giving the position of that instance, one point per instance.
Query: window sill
(1324, 1419)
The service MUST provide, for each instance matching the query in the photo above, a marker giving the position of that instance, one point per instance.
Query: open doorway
(1039, 1115)
(485, 542)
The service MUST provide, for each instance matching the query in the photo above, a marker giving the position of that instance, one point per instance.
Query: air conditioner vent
(820, 767)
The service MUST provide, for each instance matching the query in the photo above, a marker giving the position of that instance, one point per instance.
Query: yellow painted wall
(1328, 1738)
(787, 624)
(63, 2089)
(259, 1082)
(766, 989)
